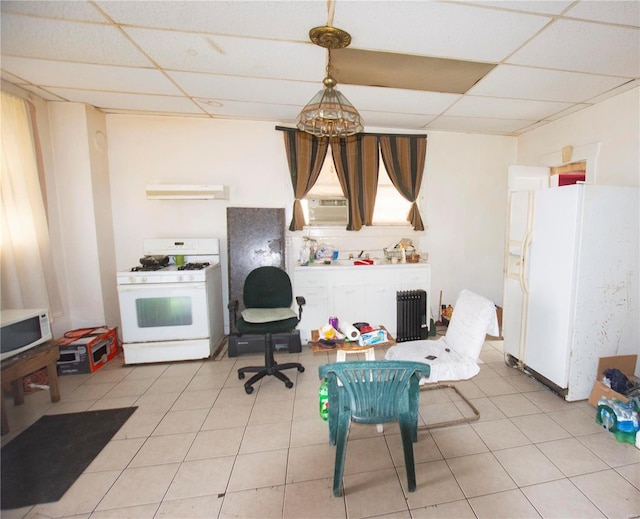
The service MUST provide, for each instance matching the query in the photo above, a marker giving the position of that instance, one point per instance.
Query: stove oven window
(153, 312)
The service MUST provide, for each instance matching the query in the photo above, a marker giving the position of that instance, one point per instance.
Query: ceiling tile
(63, 10)
(394, 100)
(623, 12)
(494, 108)
(245, 110)
(542, 84)
(93, 77)
(436, 29)
(198, 52)
(635, 83)
(536, 6)
(257, 19)
(31, 37)
(470, 124)
(143, 103)
(584, 47)
(256, 90)
(390, 120)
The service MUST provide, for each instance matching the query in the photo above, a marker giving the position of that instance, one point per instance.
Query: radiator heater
(412, 315)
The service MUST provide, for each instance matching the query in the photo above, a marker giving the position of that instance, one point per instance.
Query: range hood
(187, 192)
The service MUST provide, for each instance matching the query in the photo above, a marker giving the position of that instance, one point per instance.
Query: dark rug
(41, 463)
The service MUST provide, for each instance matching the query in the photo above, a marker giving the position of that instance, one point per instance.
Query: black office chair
(267, 297)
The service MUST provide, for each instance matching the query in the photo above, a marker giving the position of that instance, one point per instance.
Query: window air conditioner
(328, 211)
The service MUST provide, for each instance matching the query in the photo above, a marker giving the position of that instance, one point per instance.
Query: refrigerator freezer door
(524, 181)
(515, 297)
(551, 277)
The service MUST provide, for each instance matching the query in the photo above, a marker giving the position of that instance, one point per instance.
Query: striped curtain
(305, 155)
(404, 158)
(357, 162)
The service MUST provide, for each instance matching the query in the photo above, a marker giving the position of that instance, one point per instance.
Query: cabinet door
(315, 312)
(348, 303)
(381, 306)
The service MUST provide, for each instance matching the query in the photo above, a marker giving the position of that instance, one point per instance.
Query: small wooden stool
(25, 363)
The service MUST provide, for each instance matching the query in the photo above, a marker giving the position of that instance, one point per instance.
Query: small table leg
(5, 420)
(54, 385)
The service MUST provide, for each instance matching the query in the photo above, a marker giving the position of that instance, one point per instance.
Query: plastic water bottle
(323, 393)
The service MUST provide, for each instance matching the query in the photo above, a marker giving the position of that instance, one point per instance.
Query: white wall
(462, 199)
(613, 123)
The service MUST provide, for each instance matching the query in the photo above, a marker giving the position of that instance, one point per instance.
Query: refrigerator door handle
(524, 259)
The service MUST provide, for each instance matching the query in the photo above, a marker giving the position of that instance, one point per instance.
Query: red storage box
(88, 352)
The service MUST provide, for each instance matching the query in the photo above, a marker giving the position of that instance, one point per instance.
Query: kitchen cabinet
(356, 293)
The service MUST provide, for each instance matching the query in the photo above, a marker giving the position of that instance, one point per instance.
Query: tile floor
(199, 446)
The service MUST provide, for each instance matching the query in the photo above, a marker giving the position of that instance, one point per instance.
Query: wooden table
(344, 348)
(25, 363)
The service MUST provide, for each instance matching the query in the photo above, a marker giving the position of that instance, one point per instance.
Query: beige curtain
(305, 155)
(26, 263)
(357, 163)
(404, 158)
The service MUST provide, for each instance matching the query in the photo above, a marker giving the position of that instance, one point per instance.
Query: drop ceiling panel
(436, 29)
(386, 69)
(119, 101)
(625, 12)
(63, 10)
(253, 59)
(473, 125)
(255, 19)
(544, 7)
(494, 108)
(247, 110)
(543, 85)
(391, 120)
(93, 77)
(67, 41)
(198, 52)
(243, 89)
(393, 100)
(584, 47)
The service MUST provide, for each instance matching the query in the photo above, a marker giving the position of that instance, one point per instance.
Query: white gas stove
(171, 304)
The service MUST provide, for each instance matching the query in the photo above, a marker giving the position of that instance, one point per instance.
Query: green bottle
(323, 393)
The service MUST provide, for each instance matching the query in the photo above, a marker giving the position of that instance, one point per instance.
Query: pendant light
(329, 113)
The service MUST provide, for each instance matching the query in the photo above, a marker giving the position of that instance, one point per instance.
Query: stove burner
(194, 266)
(147, 268)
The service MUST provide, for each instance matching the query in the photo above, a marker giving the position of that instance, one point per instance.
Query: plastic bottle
(403, 254)
(323, 393)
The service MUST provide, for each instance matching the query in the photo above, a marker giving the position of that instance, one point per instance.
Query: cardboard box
(374, 337)
(88, 353)
(625, 363)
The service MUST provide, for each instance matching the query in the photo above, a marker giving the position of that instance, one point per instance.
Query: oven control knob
(143, 279)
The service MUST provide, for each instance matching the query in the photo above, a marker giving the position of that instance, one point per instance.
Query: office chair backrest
(267, 287)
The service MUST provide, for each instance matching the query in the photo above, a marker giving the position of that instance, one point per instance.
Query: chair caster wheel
(289, 384)
(248, 389)
(240, 376)
(301, 369)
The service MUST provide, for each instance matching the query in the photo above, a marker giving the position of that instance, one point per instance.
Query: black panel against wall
(255, 238)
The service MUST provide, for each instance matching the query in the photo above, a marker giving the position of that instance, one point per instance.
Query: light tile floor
(199, 446)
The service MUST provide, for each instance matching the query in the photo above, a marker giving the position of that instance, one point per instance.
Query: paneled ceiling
(253, 60)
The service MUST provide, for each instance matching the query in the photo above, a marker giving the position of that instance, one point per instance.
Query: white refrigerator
(571, 285)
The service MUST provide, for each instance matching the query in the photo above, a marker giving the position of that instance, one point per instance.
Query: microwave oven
(23, 329)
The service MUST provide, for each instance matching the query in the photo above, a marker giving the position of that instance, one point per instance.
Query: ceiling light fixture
(329, 113)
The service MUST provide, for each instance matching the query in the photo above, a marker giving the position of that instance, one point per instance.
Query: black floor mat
(41, 463)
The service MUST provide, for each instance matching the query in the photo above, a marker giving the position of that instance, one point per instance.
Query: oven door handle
(187, 285)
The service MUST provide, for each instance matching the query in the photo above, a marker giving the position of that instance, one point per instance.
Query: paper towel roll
(350, 331)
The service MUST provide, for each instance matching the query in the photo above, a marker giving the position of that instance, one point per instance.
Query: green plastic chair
(373, 392)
